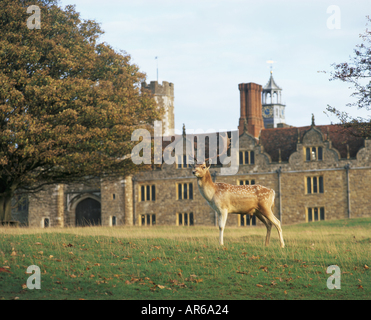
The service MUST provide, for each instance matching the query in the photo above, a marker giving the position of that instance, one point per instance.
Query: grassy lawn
(187, 262)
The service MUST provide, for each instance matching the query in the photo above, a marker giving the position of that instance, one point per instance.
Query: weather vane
(271, 64)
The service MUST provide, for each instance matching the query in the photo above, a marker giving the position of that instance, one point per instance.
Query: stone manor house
(317, 172)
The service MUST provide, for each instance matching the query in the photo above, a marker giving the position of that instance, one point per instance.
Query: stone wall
(360, 197)
(112, 197)
(45, 204)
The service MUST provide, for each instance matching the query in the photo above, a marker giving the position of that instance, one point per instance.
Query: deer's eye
(203, 167)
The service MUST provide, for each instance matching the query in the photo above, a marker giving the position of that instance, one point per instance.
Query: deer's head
(199, 170)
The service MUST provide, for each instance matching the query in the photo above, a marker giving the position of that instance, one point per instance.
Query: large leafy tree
(68, 104)
(356, 72)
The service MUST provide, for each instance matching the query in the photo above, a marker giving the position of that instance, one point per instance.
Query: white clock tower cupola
(273, 109)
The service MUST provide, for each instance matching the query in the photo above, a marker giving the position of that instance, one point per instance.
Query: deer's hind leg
(267, 223)
(268, 214)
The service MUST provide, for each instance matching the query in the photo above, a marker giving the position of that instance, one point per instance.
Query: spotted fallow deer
(245, 199)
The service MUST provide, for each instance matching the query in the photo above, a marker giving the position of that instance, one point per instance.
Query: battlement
(166, 89)
(164, 96)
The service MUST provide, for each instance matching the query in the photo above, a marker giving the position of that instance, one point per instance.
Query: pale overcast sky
(207, 47)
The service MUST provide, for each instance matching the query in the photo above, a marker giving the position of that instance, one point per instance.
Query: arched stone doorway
(88, 213)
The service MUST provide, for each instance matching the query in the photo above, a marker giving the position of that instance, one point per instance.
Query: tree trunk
(5, 207)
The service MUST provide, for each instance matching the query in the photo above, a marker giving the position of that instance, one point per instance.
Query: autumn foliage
(68, 104)
(357, 73)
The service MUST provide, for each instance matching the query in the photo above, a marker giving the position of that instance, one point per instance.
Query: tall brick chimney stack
(251, 108)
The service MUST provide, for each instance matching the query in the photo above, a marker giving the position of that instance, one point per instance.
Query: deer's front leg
(222, 221)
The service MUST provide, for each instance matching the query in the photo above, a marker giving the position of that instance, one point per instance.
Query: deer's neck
(207, 186)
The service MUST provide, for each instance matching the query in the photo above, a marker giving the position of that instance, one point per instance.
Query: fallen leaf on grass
(38, 243)
(265, 268)
(259, 285)
(24, 286)
(5, 270)
(13, 253)
(360, 286)
(242, 272)
(366, 266)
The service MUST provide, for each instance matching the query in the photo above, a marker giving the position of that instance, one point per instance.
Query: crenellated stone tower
(164, 96)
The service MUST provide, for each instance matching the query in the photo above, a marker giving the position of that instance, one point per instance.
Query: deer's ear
(208, 164)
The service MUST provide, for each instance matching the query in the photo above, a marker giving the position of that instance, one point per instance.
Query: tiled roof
(286, 139)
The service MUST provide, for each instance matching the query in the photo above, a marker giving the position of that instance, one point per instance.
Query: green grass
(187, 263)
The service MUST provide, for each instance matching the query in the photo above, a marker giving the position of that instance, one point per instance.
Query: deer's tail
(273, 197)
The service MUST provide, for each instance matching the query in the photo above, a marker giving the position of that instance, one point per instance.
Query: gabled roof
(271, 85)
(286, 139)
